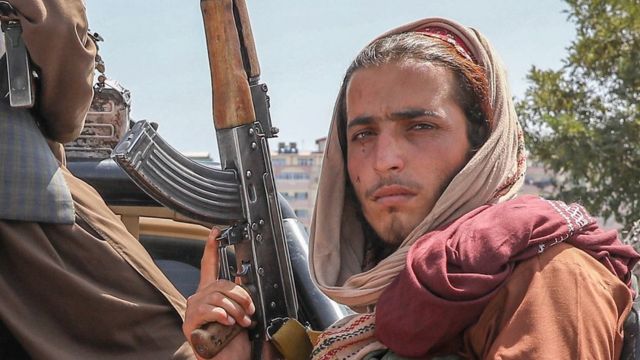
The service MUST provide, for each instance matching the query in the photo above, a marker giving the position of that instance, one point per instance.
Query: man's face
(406, 140)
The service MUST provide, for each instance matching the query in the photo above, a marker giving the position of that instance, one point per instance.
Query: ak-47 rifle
(243, 125)
(243, 194)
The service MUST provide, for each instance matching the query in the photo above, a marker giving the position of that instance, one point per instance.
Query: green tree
(582, 122)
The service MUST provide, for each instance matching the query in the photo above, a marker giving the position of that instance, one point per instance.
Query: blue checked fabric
(32, 187)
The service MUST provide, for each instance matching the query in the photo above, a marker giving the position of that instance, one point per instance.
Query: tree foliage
(582, 122)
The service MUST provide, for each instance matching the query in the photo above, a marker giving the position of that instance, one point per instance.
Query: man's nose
(389, 154)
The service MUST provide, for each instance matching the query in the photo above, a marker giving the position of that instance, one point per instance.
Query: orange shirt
(562, 304)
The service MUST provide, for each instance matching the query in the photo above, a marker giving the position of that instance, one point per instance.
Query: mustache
(393, 180)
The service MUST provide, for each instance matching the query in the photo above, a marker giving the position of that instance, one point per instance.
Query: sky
(157, 50)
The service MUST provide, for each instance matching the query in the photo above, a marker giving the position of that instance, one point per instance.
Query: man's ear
(477, 132)
(483, 133)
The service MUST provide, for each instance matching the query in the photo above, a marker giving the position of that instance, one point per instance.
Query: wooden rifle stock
(213, 337)
(232, 61)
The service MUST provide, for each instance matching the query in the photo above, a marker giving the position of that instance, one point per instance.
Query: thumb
(209, 265)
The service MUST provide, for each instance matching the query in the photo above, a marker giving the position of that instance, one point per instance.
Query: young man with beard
(74, 282)
(417, 226)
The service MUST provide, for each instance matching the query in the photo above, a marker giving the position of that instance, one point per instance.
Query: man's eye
(422, 126)
(361, 135)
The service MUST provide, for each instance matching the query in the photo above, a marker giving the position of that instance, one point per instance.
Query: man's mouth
(392, 195)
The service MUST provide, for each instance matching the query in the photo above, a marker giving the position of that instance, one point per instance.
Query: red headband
(448, 37)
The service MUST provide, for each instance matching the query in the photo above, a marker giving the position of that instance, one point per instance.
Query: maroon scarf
(452, 273)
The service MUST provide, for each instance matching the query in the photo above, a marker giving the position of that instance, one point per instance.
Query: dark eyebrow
(406, 114)
(359, 120)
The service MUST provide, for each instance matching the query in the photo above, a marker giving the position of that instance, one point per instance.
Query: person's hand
(218, 300)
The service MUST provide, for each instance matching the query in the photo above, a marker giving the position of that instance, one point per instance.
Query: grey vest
(32, 187)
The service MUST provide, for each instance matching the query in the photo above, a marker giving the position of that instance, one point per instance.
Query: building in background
(297, 173)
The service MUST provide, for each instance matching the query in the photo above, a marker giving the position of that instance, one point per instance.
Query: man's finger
(203, 314)
(210, 260)
(234, 292)
(233, 309)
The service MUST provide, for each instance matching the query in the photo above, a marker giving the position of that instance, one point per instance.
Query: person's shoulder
(561, 303)
(566, 266)
(564, 257)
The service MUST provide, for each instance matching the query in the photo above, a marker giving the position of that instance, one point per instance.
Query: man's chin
(394, 232)
(393, 240)
(393, 225)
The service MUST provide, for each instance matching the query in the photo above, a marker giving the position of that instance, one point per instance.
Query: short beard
(374, 243)
(395, 232)
(382, 245)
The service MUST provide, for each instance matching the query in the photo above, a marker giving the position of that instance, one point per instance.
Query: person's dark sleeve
(55, 33)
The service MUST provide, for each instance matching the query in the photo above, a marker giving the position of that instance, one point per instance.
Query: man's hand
(218, 300)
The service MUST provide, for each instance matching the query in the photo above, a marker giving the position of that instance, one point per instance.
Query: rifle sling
(293, 340)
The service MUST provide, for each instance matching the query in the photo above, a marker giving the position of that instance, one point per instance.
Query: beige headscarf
(494, 174)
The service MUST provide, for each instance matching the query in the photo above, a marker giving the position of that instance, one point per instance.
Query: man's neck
(375, 248)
